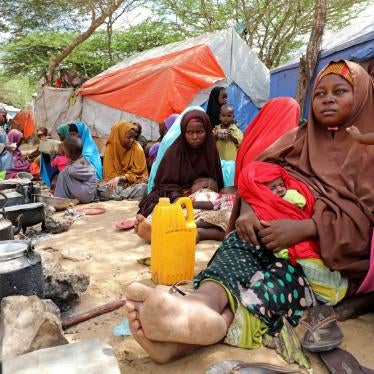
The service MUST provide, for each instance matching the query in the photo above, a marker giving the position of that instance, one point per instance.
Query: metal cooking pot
(32, 213)
(21, 270)
(7, 231)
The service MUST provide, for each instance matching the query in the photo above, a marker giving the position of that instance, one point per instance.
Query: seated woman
(192, 155)
(125, 168)
(6, 159)
(245, 288)
(90, 151)
(19, 163)
(78, 179)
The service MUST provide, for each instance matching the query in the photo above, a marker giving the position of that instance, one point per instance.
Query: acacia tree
(273, 28)
(309, 61)
(23, 16)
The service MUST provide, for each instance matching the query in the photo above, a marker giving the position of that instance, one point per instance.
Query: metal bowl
(24, 175)
(59, 203)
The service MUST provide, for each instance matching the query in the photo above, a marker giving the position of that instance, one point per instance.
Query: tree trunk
(95, 23)
(309, 61)
(109, 30)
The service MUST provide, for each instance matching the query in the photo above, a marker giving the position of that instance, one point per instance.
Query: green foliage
(273, 28)
(16, 91)
(28, 56)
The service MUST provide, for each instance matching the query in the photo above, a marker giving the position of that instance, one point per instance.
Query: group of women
(247, 293)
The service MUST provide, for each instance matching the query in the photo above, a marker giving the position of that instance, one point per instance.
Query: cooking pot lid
(10, 249)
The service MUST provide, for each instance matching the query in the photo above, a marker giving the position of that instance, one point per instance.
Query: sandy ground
(113, 266)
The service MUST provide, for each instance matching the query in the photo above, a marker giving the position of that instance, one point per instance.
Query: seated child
(329, 286)
(60, 161)
(78, 179)
(213, 213)
(356, 135)
(228, 135)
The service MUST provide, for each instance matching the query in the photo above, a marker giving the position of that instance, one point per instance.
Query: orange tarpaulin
(157, 87)
(25, 119)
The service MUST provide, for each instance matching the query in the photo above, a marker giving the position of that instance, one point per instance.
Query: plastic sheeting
(157, 87)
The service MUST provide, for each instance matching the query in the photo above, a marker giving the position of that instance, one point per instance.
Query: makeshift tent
(25, 120)
(355, 43)
(149, 86)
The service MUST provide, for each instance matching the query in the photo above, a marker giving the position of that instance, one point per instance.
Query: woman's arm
(206, 205)
(284, 233)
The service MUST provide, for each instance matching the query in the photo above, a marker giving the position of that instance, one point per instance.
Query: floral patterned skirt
(268, 287)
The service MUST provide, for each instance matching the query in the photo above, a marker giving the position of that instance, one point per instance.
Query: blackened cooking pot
(32, 214)
(20, 269)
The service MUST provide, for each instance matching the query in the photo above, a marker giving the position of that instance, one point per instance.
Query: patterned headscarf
(339, 68)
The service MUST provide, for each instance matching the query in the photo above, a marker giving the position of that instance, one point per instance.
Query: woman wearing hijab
(245, 288)
(192, 155)
(6, 159)
(125, 168)
(19, 163)
(217, 98)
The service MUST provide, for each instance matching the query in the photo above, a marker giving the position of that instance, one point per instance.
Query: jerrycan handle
(188, 204)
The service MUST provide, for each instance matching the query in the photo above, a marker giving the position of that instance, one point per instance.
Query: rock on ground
(27, 324)
(62, 286)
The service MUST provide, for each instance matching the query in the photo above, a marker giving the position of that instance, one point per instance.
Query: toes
(139, 218)
(138, 292)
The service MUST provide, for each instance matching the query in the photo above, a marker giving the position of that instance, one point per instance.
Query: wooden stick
(72, 321)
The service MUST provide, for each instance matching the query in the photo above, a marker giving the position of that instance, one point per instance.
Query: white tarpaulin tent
(178, 66)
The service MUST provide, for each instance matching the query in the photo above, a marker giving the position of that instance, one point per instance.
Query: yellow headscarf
(119, 161)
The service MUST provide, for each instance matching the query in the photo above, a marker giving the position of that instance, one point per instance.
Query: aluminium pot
(21, 270)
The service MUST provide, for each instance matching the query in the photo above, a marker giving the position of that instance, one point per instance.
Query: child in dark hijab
(217, 98)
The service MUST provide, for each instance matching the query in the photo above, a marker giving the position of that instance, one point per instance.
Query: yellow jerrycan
(173, 242)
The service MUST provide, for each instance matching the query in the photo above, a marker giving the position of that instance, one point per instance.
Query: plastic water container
(173, 242)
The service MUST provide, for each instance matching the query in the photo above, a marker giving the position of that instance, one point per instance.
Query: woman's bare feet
(354, 306)
(158, 316)
(143, 228)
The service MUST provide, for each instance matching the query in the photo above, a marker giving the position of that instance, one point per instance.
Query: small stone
(75, 254)
(62, 286)
(28, 324)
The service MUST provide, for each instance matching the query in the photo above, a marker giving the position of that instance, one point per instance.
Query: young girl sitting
(228, 135)
(78, 180)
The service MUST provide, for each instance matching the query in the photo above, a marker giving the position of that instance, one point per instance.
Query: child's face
(226, 116)
(222, 97)
(277, 187)
(333, 101)
(201, 183)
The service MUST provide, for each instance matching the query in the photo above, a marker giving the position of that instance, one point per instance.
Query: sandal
(323, 333)
(340, 361)
(236, 366)
(182, 288)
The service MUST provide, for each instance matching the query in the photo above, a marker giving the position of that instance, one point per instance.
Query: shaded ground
(113, 266)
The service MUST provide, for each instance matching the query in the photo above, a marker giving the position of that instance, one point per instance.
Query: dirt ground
(113, 266)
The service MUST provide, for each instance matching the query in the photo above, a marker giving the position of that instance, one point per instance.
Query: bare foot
(143, 228)
(166, 318)
(354, 306)
(160, 352)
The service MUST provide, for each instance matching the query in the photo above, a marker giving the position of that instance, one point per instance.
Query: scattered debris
(75, 254)
(28, 324)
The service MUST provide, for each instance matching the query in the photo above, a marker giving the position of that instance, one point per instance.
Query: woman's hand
(112, 184)
(247, 225)
(284, 233)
